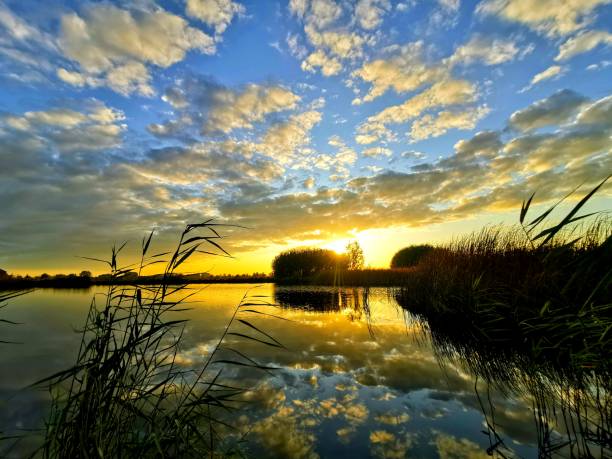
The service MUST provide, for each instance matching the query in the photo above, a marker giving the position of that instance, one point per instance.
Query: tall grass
(128, 395)
(529, 309)
(548, 289)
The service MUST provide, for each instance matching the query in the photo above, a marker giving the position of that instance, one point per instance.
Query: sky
(309, 122)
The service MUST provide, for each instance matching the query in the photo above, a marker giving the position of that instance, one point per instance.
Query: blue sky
(312, 121)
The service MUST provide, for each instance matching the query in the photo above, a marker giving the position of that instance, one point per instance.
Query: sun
(338, 245)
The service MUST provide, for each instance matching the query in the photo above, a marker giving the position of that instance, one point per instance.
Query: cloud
(319, 13)
(377, 151)
(215, 13)
(550, 17)
(283, 140)
(240, 109)
(404, 72)
(484, 174)
(554, 71)
(25, 49)
(369, 13)
(330, 47)
(112, 46)
(344, 45)
(600, 65)
(484, 144)
(446, 14)
(440, 94)
(485, 50)
(210, 164)
(582, 43)
(556, 109)
(295, 48)
(329, 66)
(215, 109)
(68, 130)
(19, 30)
(434, 126)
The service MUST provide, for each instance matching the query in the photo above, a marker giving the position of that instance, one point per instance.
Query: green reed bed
(128, 393)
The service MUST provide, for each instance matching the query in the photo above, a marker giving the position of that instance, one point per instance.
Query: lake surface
(359, 376)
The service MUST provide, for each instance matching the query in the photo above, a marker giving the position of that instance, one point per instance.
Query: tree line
(307, 261)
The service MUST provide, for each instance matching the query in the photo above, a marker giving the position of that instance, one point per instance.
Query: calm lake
(359, 376)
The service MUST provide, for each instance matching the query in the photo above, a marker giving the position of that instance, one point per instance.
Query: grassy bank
(541, 287)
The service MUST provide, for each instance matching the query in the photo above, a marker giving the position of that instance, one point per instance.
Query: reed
(529, 309)
(128, 395)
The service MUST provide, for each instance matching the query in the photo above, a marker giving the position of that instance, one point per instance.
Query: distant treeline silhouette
(304, 262)
(85, 279)
(410, 256)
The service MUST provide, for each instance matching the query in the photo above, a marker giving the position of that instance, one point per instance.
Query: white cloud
(215, 13)
(554, 71)
(319, 13)
(450, 4)
(552, 17)
(600, 65)
(344, 45)
(486, 50)
(582, 43)
(405, 6)
(18, 29)
(295, 48)
(233, 110)
(329, 65)
(369, 13)
(403, 73)
(377, 151)
(113, 46)
(285, 139)
(434, 126)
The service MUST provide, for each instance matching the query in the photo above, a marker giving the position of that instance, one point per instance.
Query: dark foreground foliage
(529, 307)
(128, 393)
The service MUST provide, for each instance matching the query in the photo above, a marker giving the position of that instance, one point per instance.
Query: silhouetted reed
(528, 309)
(129, 393)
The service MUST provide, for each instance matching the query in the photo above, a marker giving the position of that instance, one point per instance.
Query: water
(359, 376)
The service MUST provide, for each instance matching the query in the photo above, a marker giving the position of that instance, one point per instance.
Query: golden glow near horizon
(308, 122)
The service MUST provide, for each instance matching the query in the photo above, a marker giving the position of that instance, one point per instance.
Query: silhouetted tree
(307, 261)
(355, 255)
(410, 256)
(86, 274)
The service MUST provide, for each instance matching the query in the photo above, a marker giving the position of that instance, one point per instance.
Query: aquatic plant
(529, 309)
(129, 394)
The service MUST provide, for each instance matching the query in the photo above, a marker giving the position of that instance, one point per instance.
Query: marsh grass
(543, 287)
(4, 300)
(129, 393)
(528, 309)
